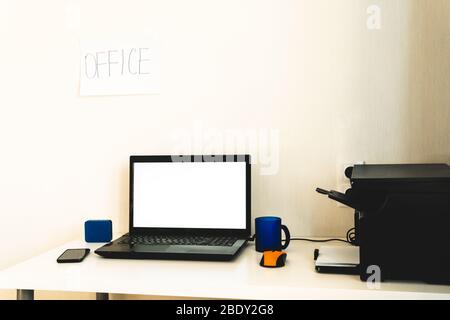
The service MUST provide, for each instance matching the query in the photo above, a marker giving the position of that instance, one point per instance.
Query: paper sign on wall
(119, 66)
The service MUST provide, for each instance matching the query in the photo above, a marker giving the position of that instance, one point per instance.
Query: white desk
(242, 278)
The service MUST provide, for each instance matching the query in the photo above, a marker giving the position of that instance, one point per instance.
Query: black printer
(402, 220)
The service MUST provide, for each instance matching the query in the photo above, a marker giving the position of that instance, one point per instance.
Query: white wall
(335, 91)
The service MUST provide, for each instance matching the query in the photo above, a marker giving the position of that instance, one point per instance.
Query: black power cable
(321, 240)
(350, 238)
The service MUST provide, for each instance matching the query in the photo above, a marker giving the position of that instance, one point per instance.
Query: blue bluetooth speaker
(98, 230)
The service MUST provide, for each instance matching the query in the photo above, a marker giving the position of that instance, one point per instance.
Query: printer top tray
(391, 173)
(370, 184)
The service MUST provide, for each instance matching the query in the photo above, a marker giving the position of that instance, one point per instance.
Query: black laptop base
(118, 250)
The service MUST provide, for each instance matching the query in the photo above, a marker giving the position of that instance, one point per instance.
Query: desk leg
(24, 294)
(101, 296)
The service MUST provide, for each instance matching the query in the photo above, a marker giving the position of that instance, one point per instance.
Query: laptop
(186, 207)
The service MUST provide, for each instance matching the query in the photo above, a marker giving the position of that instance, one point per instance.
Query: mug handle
(288, 236)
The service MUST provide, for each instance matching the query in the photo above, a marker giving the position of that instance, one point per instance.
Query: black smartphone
(73, 255)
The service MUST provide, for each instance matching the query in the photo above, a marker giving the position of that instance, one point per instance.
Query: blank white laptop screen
(189, 195)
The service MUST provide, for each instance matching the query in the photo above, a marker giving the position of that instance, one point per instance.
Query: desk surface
(242, 278)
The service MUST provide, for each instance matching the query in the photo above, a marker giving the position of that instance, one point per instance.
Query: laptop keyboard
(179, 240)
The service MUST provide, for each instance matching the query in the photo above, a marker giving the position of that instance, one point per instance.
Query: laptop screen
(210, 195)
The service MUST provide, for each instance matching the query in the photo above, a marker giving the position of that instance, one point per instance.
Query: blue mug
(268, 234)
